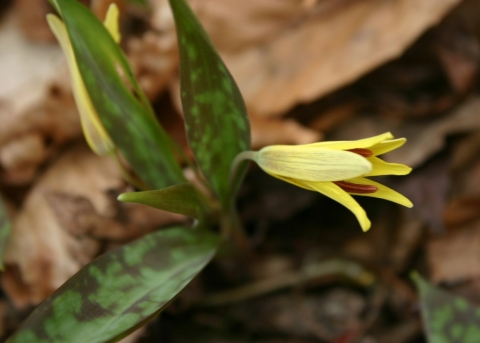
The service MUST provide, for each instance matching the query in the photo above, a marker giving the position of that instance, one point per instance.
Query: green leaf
(181, 198)
(120, 289)
(121, 104)
(447, 318)
(215, 115)
(5, 230)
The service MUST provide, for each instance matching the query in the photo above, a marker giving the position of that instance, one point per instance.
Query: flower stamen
(362, 152)
(356, 188)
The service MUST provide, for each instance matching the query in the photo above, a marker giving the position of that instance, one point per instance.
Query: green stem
(236, 164)
(229, 221)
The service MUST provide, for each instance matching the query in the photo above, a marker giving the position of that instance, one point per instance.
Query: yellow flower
(95, 134)
(337, 169)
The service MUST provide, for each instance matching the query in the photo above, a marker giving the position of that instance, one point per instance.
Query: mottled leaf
(181, 198)
(447, 318)
(120, 289)
(5, 230)
(215, 115)
(122, 106)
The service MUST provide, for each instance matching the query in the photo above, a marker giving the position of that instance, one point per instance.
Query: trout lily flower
(336, 169)
(93, 129)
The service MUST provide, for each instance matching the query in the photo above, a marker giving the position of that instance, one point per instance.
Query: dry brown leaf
(66, 217)
(459, 53)
(455, 256)
(285, 53)
(424, 138)
(461, 211)
(26, 70)
(21, 157)
(304, 55)
(154, 59)
(267, 131)
(36, 105)
(43, 253)
(32, 19)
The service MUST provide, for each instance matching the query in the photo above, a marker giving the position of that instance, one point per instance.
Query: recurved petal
(95, 133)
(334, 192)
(111, 22)
(381, 167)
(383, 192)
(386, 146)
(319, 164)
(366, 143)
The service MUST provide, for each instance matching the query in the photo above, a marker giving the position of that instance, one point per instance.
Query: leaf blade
(121, 104)
(5, 231)
(181, 198)
(216, 118)
(447, 317)
(121, 288)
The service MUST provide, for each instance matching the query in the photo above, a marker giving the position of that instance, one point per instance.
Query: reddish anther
(362, 152)
(356, 188)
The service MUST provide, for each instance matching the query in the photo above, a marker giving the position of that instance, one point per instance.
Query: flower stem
(237, 163)
(230, 223)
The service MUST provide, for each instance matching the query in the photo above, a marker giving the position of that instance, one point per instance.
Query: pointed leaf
(5, 230)
(216, 118)
(122, 106)
(181, 198)
(120, 289)
(447, 318)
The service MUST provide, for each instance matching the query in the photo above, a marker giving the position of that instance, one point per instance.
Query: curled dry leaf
(36, 105)
(41, 255)
(64, 219)
(292, 55)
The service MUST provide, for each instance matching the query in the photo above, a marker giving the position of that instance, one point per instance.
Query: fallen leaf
(154, 60)
(41, 255)
(32, 19)
(268, 131)
(455, 256)
(21, 157)
(313, 53)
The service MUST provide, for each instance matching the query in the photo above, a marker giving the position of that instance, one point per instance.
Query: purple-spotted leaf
(181, 198)
(120, 289)
(122, 106)
(5, 230)
(215, 115)
(447, 318)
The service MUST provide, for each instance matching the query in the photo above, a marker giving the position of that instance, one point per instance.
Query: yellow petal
(111, 22)
(381, 167)
(294, 182)
(336, 193)
(318, 164)
(386, 146)
(359, 144)
(95, 133)
(383, 192)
